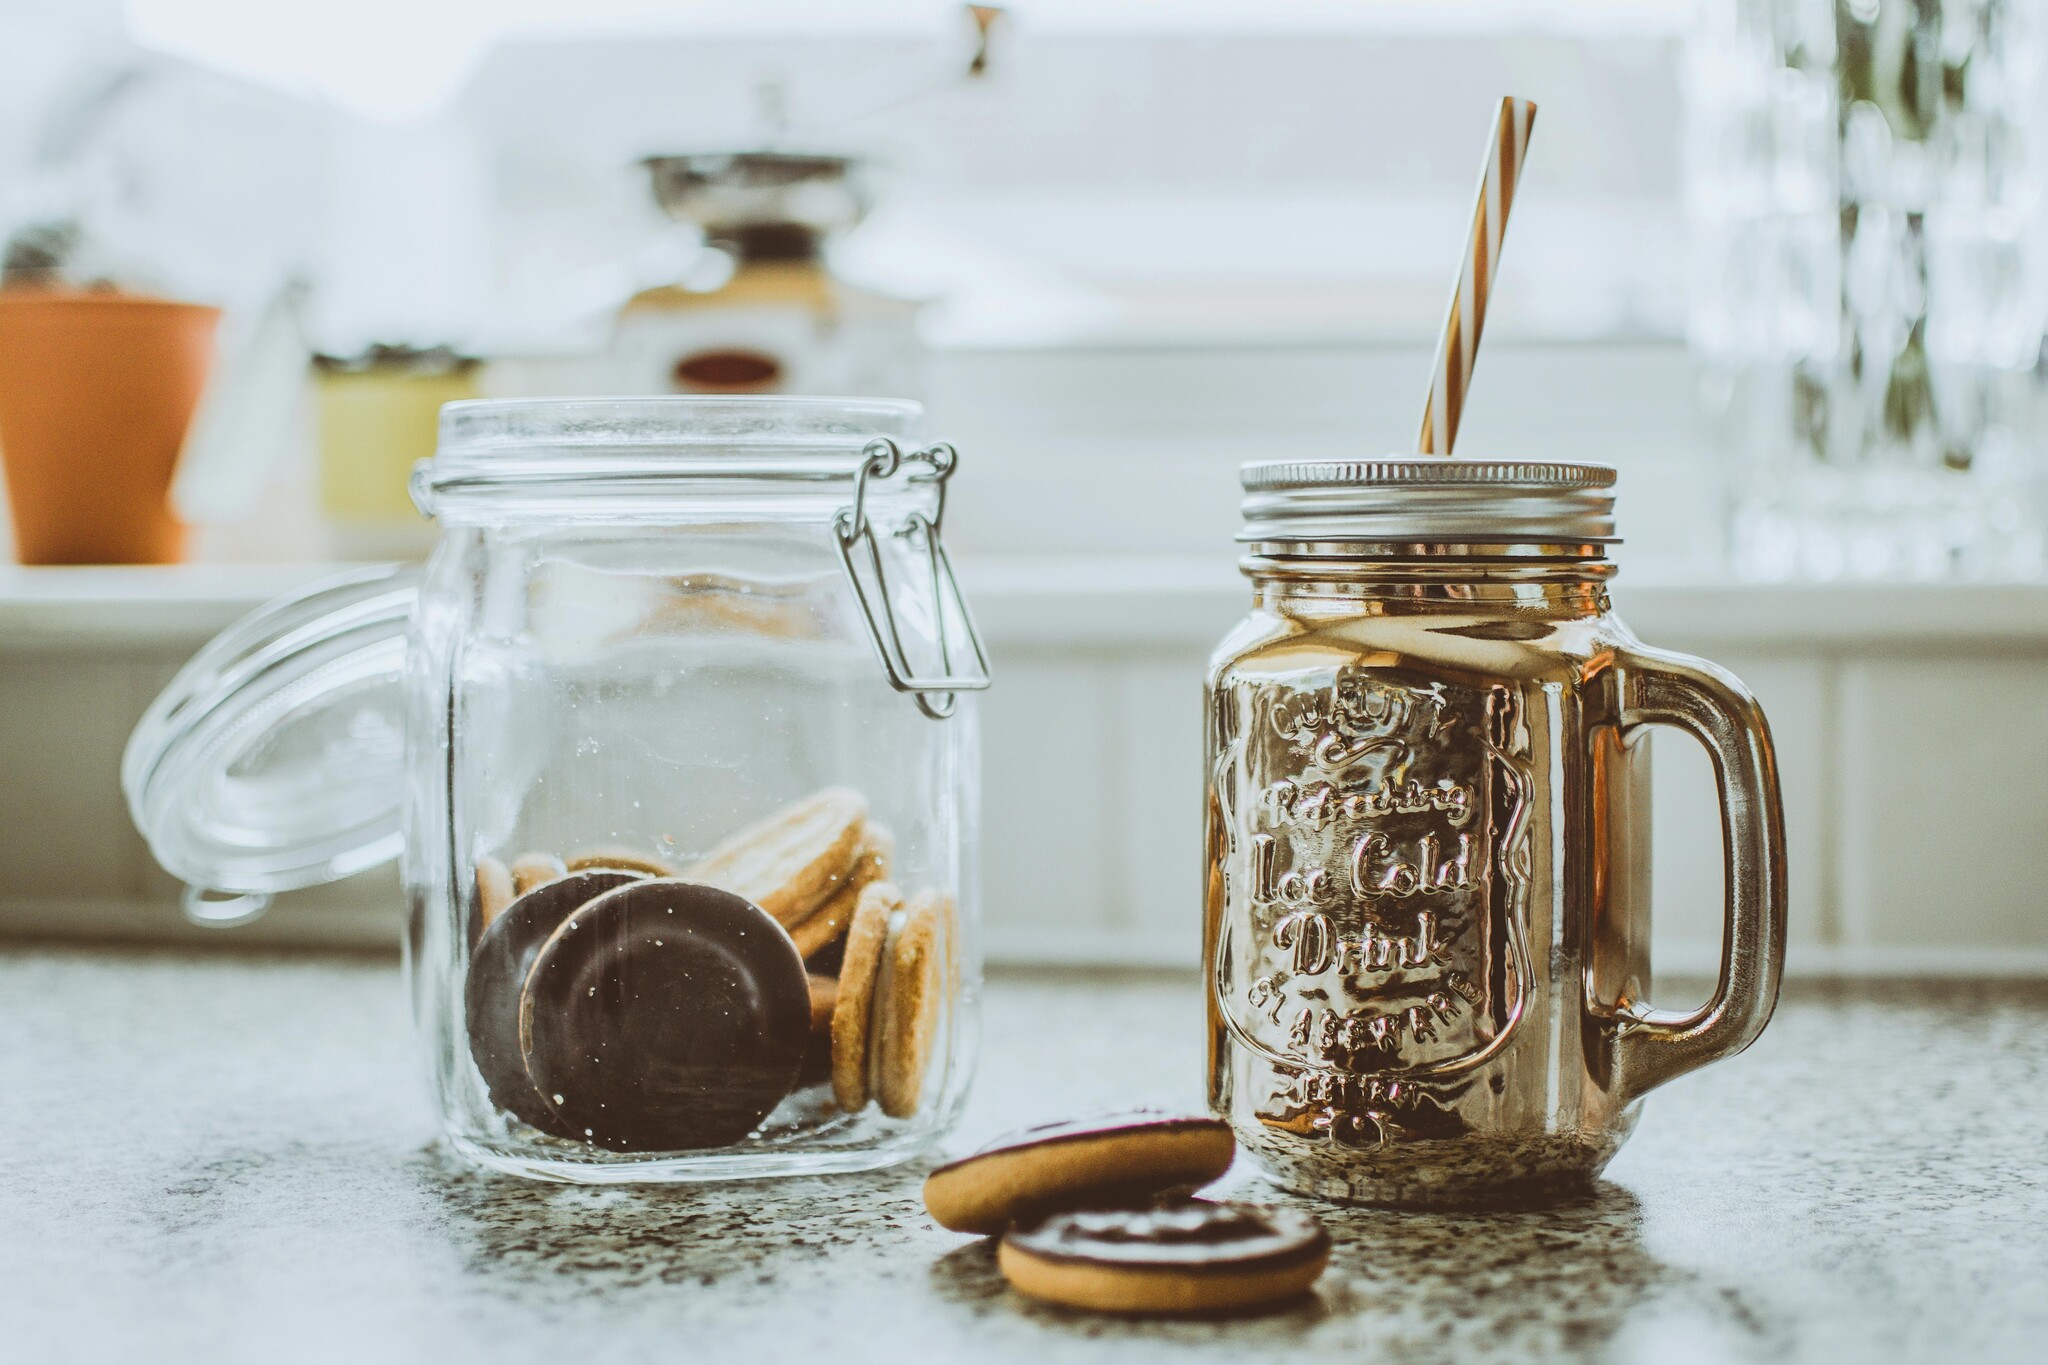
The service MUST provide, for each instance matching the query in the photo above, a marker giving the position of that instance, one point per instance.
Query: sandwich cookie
(497, 973)
(494, 889)
(1189, 1258)
(824, 925)
(852, 1010)
(915, 990)
(824, 997)
(537, 869)
(665, 1015)
(1121, 1160)
(619, 859)
(894, 988)
(817, 1067)
(790, 863)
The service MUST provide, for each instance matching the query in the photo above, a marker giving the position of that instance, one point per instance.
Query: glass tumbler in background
(1860, 187)
(673, 733)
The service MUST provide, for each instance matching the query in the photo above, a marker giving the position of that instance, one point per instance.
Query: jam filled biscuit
(911, 1005)
(537, 869)
(791, 862)
(494, 889)
(497, 973)
(665, 1015)
(1189, 1258)
(866, 942)
(1124, 1159)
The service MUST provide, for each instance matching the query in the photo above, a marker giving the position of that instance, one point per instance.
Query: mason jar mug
(1427, 931)
(674, 736)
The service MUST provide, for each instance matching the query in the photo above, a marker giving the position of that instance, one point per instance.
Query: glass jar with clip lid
(675, 736)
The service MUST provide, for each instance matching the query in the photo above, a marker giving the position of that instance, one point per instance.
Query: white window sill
(1146, 601)
(1910, 724)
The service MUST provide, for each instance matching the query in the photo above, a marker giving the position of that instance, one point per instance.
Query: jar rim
(1427, 499)
(502, 426)
(625, 443)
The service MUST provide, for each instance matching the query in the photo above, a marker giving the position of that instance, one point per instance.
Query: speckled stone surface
(228, 1159)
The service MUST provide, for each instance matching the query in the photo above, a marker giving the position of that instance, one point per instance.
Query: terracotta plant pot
(96, 391)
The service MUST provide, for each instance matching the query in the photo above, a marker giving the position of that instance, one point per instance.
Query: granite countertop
(228, 1158)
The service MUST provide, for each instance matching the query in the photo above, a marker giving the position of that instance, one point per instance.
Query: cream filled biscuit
(530, 870)
(823, 926)
(824, 996)
(494, 889)
(790, 863)
(817, 1067)
(615, 858)
(859, 977)
(910, 1007)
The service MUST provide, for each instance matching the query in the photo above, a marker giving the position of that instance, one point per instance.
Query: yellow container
(377, 418)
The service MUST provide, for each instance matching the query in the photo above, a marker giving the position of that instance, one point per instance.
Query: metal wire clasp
(852, 529)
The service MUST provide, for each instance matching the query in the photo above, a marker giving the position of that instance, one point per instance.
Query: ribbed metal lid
(1428, 498)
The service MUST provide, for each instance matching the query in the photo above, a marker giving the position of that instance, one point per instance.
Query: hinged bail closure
(852, 529)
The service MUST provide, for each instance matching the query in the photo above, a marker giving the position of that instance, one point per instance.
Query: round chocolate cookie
(497, 973)
(1119, 1159)
(1195, 1257)
(665, 1015)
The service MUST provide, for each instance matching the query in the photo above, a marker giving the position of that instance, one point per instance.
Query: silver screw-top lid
(1428, 499)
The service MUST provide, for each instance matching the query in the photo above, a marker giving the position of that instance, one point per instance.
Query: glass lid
(541, 440)
(276, 758)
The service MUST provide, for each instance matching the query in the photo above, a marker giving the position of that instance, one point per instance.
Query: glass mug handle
(1658, 687)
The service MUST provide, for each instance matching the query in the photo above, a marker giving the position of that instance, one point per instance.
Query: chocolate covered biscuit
(665, 1016)
(497, 974)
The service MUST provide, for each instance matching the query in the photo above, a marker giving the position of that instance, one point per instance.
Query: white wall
(1305, 178)
(1096, 506)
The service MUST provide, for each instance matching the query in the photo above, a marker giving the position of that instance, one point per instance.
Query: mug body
(1426, 929)
(1428, 872)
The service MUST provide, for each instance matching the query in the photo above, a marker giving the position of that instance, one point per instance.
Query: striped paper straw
(1459, 345)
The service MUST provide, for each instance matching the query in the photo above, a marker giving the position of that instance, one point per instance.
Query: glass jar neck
(1562, 580)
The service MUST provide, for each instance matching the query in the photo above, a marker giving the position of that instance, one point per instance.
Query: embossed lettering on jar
(1427, 916)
